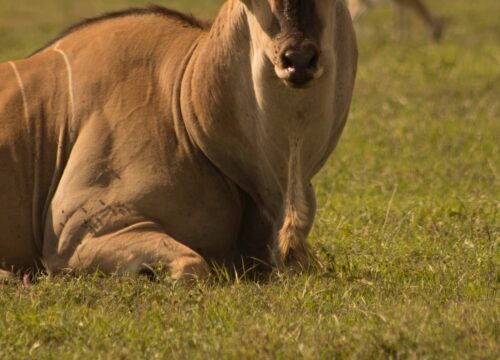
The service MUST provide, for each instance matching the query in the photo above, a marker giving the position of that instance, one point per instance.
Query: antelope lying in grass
(359, 7)
(147, 137)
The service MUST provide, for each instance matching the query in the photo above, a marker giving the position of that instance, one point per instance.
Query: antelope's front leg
(293, 249)
(134, 249)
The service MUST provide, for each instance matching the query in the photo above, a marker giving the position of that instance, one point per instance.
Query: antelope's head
(295, 37)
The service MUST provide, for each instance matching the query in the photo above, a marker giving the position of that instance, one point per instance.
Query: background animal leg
(138, 248)
(359, 9)
(434, 25)
(400, 21)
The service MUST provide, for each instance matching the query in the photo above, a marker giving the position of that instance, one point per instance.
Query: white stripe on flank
(70, 80)
(23, 92)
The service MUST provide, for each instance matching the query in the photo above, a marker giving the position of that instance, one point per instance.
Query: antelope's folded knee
(6, 275)
(190, 268)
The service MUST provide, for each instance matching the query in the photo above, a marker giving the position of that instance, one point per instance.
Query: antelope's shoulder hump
(154, 10)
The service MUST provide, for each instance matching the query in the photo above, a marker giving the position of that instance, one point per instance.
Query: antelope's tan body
(146, 139)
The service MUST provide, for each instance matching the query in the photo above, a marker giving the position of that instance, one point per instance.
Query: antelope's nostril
(286, 61)
(313, 63)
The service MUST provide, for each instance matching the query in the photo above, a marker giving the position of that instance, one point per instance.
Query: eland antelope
(146, 137)
(359, 7)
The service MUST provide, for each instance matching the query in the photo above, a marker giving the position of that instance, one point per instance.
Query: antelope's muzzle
(299, 65)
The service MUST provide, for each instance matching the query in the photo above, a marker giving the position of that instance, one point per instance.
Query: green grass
(408, 222)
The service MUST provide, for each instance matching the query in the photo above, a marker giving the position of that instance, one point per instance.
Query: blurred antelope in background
(435, 26)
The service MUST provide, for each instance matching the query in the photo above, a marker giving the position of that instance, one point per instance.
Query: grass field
(408, 221)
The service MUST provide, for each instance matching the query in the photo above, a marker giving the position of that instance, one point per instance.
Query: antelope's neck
(265, 137)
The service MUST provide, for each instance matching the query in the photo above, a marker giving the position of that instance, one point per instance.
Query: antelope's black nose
(301, 64)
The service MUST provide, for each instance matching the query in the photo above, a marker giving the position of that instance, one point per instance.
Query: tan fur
(153, 142)
(5, 276)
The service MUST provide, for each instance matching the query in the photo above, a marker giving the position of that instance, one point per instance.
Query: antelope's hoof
(303, 262)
